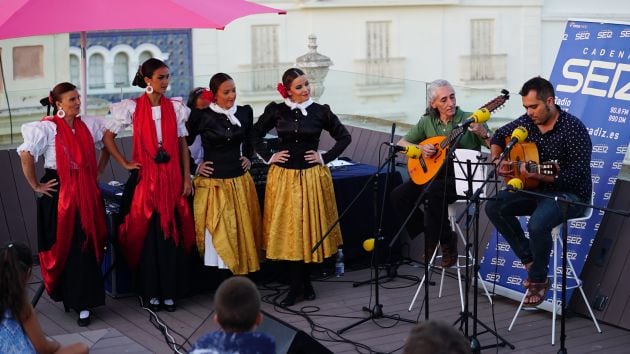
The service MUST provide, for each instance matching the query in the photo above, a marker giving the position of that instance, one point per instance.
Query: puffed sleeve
(248, 149)
(37, 137)
(182, 112)
(96, 125)
(195, 119)
(338, 132)
(121, 115)
(265, 123)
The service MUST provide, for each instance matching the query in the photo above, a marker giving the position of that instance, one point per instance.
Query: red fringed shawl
(79, 193)
(159, 187)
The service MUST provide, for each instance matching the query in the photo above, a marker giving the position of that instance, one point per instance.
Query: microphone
(412, 151)
(368, 245)
(479, 116)
(519, 134)
(515, 184)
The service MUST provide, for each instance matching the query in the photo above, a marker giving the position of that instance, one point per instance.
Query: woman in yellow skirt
(227, 213)
(299, 197)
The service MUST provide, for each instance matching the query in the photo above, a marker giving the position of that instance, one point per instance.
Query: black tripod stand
(377, 311)
(474, 201)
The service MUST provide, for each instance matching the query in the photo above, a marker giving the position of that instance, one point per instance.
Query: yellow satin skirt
(300, 206)
(229, 210)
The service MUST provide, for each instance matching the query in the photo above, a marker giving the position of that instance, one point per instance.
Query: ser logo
(624, 34)
(574, 240)
(604, 34)
(600, 148)
(595, 179)
(580, 36)
(621, 150)
(503, 247)
(617, 165)
(578, 224)
(498, 261)
(493, 277)
(517, 264)
(596, 227)
(597, 163)
(514, 280)
(559, 271)
(612, 180)
(607, 195)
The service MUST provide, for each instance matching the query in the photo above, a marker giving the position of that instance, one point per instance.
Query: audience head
(539, 100)
(295, 86)
(199, 98)
(237, 305)
(15, 268)
(65, 97)
(154, 73)
(436, 338)
(441, 99)
(223, 90)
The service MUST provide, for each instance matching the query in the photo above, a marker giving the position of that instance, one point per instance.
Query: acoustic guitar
(421, 169)
(527, 153)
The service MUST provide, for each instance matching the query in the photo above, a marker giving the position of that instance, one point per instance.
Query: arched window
(96, 71)
(121, 70)
(74, 70)
(144, 56)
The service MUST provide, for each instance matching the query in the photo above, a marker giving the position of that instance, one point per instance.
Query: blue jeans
(545, 215)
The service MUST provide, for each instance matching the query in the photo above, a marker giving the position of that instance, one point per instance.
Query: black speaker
(289, 339)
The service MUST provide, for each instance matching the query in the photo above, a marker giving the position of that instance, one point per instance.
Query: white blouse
(39, 138)
(122, 117)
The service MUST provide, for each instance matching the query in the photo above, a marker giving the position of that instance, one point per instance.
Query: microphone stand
(564, 206)
(450, 152)
(377, 311)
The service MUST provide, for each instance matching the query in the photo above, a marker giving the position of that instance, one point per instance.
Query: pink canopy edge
(22, 18)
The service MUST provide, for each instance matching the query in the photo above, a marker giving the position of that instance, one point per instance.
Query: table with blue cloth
(361, 220)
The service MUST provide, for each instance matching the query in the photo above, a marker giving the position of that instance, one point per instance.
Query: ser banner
(591, 76)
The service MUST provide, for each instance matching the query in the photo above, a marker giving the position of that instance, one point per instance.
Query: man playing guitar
(441, 117)
(559, 136)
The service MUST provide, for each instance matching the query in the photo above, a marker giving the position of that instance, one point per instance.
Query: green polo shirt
(429, 126)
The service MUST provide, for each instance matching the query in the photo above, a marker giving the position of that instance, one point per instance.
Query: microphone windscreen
(368, 245)
(481, 115)
(515, 183)
(413, 151)
(520, 133)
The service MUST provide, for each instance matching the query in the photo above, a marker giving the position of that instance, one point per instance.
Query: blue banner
(591, 76)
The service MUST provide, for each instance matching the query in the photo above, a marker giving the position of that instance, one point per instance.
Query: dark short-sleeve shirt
(234, 342)
(568, 143)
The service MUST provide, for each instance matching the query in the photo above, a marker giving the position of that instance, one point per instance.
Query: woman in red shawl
(70, 214)
(156, 224)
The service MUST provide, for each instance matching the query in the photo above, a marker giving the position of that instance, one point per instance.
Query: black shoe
(309, 292)
(154, 307)
(289, 300)
(169, 308)
(83, 322)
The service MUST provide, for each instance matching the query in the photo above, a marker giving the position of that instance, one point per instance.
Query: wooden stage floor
(122, 326)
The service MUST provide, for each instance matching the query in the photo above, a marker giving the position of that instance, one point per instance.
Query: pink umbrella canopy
(22, 18)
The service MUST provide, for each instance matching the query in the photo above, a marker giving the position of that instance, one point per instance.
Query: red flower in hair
(207, 95)
(282, 90)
